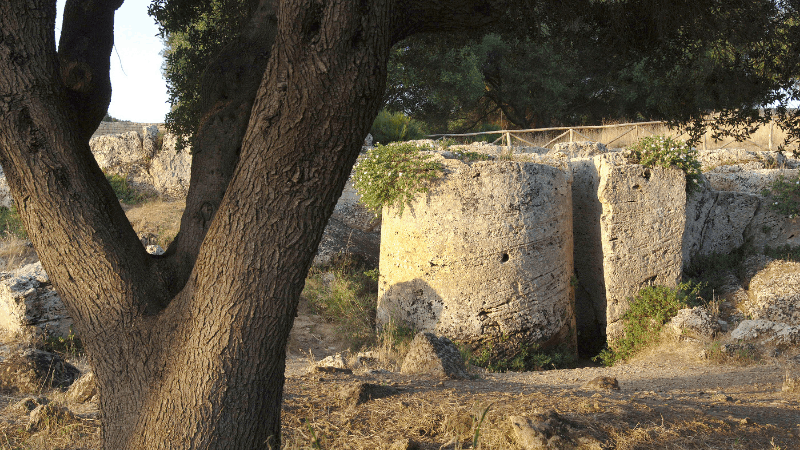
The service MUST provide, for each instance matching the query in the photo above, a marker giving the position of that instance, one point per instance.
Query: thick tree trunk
(198, 366)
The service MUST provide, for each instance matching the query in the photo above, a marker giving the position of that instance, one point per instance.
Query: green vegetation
(124, 191)
(471, 156)
(708, 272)
(523, 358)
(785, 252)
(784, 195)
(11, 223)
(68, 346)
(391, 175)
(666, 152)
(395, 126)
(649, 310)
(345, 293)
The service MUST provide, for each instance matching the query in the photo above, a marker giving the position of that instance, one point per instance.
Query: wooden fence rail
(634, 130)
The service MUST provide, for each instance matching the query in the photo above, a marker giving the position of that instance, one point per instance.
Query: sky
(138, 90)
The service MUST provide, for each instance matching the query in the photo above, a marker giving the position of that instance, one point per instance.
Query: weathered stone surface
(774, 293)
(766, 331)
(429, 354)
(549, 430)
(6, 200)
(31, 370)
(487, 253)
(580, 149)
(718, 158)
(642, 226)
(608, 383)
(171, 169)
(738, 178)
(49, 416)
(116, 151)
(29, 305)
(361, 393)
(83, 389)
(150, 140)
(352, 230)
(695, 321)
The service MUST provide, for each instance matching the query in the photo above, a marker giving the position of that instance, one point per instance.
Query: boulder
(766, 331)
(30, 306)
(32, 370)
(696, 321)
(485, 255)
(360, 393)
(433, 355)
(49, 417)
(774, 293)
(83, 389)
(606, 383)
(641, 228)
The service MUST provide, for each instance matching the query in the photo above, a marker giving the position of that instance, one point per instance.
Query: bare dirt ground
(669, 398)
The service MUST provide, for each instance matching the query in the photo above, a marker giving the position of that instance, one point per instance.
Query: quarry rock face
(774, 293)
(485, 255)
(30, 306)
(352, 230)
(590, 291)
(171, 169)
(641, 228)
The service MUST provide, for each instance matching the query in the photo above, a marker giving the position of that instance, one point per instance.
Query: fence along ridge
(507, 135)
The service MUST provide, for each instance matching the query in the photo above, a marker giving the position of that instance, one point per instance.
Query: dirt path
(668, 398)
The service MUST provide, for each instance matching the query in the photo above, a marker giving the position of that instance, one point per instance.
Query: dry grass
(620, 137)
(161, 218)
(441, 415)
(15, 252)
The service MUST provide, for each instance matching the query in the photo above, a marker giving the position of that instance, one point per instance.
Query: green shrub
(709, 272)
(393, 174)
(11, 223)
(785, 252)
(392, 127)
(124, 191)
(666, 152)
(524, 358)
(346, 294)
(471, 156)
(649, 310)
(784, 195)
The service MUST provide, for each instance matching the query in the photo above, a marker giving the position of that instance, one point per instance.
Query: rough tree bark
(189, 349)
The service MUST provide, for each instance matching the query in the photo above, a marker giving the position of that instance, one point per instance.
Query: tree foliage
(585, 62)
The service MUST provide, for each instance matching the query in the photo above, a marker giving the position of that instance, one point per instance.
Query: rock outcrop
(487, 253)
(30, 306)
(642, 224)
(774, 293)
(31, 370)
(432, 355)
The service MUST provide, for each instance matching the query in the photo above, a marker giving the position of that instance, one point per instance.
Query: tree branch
(228, 90)
(84, 51)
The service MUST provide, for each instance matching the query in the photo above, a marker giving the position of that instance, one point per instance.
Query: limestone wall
(641, 227)
(121, 127)
(487, 254)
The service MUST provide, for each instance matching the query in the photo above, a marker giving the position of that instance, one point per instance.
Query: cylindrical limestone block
(485, 255)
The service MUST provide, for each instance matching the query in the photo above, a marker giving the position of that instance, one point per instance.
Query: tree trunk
(198, 366)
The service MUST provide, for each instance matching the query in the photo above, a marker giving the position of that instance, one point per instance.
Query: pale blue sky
(139, 92)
